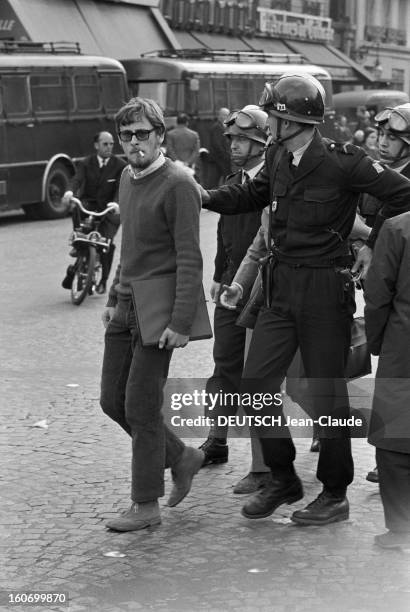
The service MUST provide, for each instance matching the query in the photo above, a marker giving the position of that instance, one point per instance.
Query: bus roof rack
(239, 56)
(28, 46)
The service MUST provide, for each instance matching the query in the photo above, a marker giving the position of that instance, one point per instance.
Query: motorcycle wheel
(83, 276)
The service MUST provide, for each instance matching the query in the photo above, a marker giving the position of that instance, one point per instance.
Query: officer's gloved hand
(231, 295)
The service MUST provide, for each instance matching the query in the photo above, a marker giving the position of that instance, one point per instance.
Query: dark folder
(154, 301)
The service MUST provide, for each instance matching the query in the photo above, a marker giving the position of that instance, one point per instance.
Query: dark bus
(198, 82)
(53, 100)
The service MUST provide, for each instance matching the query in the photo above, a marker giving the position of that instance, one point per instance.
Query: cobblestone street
(65, 471)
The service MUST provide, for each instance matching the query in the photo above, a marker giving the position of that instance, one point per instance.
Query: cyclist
(96, 183)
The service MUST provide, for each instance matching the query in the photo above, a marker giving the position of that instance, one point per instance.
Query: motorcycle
(88, 244)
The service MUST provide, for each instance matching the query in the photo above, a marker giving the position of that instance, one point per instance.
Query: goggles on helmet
(244, 120)
(397, 121)
(268, 96)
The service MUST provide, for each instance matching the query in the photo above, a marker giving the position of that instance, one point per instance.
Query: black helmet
(250, 122)
(299, 98)
(396, 121)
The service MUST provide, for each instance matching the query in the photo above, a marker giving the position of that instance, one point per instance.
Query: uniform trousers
(311, 308)
(229, 356)
(132, 383)
(394, 480)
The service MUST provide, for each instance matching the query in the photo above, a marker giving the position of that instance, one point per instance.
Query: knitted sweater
(160, 236)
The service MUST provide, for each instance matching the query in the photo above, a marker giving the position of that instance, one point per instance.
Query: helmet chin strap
(249, 156)
(279, 139)
(402, 154)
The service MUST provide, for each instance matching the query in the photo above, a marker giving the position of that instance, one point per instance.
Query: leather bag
(359, 360)
(154, 301)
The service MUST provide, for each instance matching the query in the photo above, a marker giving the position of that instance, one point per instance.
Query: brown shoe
(252, 482)
(183, 472)
(392, 540)
(133, 520)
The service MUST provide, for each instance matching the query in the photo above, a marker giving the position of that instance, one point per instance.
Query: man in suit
(308, 299)
(96, 183)
(183, 143)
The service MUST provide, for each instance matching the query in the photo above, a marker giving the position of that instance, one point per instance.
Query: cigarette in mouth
(141, 153)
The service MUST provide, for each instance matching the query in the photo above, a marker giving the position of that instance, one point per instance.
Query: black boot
(69, 277)
(216, 450)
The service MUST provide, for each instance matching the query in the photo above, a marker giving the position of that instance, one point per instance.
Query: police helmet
(299, 98)
(249, 122)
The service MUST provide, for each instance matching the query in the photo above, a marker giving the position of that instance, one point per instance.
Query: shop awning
(219, 42)
(123, 30)
(186, 40)
(268, 45)
(339, 65)
(115, 30)
(55, 21)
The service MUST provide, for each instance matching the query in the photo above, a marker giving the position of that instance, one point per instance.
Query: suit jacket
(183, 145)
(96, 185)
(315, 205)
(387, 316)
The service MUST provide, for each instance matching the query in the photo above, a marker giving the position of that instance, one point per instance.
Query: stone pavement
(61, 484)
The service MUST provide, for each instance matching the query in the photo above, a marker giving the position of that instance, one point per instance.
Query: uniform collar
(297, 155)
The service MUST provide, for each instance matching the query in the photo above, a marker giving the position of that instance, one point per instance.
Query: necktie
(245, 177)
(292, 166)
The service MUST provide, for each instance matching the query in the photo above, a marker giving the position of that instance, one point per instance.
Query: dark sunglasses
(126, 135)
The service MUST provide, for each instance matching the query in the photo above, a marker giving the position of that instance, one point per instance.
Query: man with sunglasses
(393, 125)
(159, 206)
(246, 132)
(96, 182)
(312, 186)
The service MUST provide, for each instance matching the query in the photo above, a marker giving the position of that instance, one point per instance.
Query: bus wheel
(57, 184)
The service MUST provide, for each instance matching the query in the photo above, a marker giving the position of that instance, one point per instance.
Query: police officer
(312, 186)
(247, 134)
(394, 150)
(393, 126)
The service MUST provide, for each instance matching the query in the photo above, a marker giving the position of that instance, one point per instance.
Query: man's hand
(205, 197)
(170, 340)
(107, 315)
(363, 261)
(67, 197)
(230, 296)
(214, 291)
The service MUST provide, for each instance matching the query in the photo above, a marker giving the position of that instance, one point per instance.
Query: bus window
(113, 94)
(220, 92)
(202, 99)
(48, 93)
(149, 89)
(240, 93)
(15, 92)
(175, 98)
(87, 92)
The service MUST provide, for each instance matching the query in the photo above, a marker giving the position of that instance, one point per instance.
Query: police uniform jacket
(96, 185)
(235, 234)
(387, 315)
(315, 204)
(369, 206)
